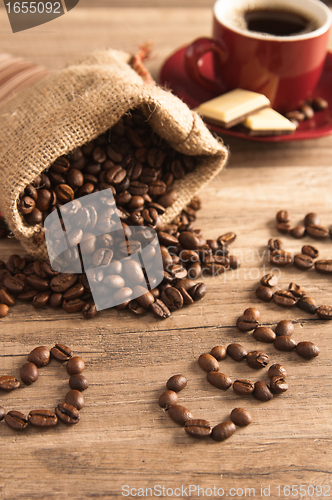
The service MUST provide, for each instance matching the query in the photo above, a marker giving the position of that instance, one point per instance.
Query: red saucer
(173, 76)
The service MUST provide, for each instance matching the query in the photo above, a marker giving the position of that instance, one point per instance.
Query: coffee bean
(281, 258)
(26, 205)
(75, 365)
(4, 310)
(284, 343)
(160, 309)
(63, 282)
(188, 240)
(264, 334)
(310, 250)
(283, 227)
(312, 219)
(6, 297)
(176, 383)
(307, 350)
(298, 232)
(167, 199)
(75, 398)
(64, 193)
(262, 391)
(285, 327)
(78, 382)
(264, 293)
(61, 165)
(275, 244)
(319, 104)
(218, 352)
(89, 311)
(55, 300)
(284, 298)
(136, 308)
(34, 217)
(73, 306)
(41, 299)
(74, 292)
(295, 115)
(243, 387)
(223, 431)
(8, 383)
(67, 413)
(236, 351)
(42, 418)
(277, 370)
(198, 291)
(247, 323)
(304, 262)
(324, 266)
(318, 232)
(257, 359)
(307, 111)
(226, 239)
(29, 373)
(208, 363)
(283, 216)
(168, 399)
(198, 428)
(307, 304)
(296, 290)
(27, 296)
(2, 413)
(269, 280)
(278, 385)
(16, 420)
(252, 312)
(234, 262)
(61, 352)
(14, 284)
(172, 298)
(219, 380)
(179, 414)
(324, 312)
(240, 417)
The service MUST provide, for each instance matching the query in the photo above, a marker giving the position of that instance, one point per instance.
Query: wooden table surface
(124, 440)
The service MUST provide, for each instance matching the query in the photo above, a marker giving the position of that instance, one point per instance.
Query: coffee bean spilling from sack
(139, 168)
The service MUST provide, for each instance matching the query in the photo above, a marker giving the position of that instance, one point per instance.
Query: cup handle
(195, 51)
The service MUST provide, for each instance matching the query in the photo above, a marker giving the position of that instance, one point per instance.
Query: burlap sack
(73, 106)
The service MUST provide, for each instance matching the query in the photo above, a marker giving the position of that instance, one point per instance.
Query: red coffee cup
(286, 68)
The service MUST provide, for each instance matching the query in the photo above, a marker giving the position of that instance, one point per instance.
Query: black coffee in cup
(278, 22)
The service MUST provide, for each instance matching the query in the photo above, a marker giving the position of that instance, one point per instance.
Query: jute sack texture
(73, 106)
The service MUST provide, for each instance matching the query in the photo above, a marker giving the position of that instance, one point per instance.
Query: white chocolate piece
(268, 122)
(233, 107)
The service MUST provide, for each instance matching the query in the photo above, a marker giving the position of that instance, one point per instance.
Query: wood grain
(124, 438)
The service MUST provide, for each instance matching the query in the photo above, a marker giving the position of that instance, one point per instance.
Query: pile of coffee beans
(257, 360)
(294, 296)
(311, 226)
(139, 169)
(304, 261)
(186, 255)
(307, 110)
(199, 428)
(281, 337)
(68, 411)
